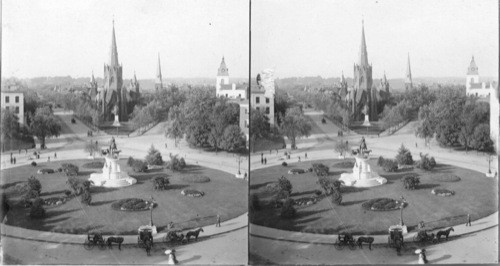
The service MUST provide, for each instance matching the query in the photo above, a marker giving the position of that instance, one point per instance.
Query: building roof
(472, 70)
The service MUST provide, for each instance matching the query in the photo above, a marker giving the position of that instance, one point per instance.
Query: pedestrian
(262, 160)
(14, 160)
(11, 160)
(468, 220)
(11, 155)
(422, 258)
(48, 159)
(55, 155)
(299, 159)
(265, 160)
(218, 221)
(306, 155)
(276, 151)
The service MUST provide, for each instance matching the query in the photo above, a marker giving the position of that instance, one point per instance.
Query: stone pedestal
(111, 175)
(116, 123)
(366, 123)
(362, 175)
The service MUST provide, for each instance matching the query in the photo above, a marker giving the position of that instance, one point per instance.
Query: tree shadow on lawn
(302, 193)
(257, 186)
(8, 185)
(346, 190)
(441, 168)
(328, 231)
(85, 173)
(349, 203)
(427, 186)
(177, 186)
(52, 193)
(97, 190)
(100, 203)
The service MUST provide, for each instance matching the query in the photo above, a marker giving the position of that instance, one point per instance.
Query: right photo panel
(374, 132)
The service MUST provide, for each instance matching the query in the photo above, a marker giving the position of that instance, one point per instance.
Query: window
(17, 109)
(258, 108)
(257, 99)
(267, 100)
(267, 110)
(7, 108)
(226, 95)
(239, 95)
(17, 99)
(7, 98)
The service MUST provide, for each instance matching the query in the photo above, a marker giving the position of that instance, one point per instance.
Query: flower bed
(192, 193)
(445, 178)
(296, 171)
(131, 204)
(94, 165)
(306, 201)
(54, 201)
(272, 187)
(381, 204)
(196, 179)
(442, 192)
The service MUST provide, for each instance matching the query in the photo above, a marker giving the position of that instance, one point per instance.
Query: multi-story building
(262, 94)
(14, 101)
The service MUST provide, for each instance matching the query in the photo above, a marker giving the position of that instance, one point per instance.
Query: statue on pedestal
(116, 123)
(367, 120)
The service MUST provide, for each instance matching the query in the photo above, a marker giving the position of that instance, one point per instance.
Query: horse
(148, 244)
(194, 233)
(118, 240)
(445, 233)
(368, 240)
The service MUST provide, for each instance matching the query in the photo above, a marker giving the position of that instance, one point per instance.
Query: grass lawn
(224, 194)
(474, 194)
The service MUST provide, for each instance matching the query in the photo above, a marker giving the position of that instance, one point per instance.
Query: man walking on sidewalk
(218, 221)
(468, 220)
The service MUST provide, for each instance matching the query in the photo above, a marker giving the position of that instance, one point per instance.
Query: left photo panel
(124, 132)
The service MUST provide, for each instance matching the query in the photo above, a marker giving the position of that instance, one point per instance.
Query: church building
(472, 84)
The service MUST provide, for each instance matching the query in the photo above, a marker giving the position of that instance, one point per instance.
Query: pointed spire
(223, 71)
(135, 78)
(363, 54)
(92, 79)
(473, 70)
(385, 78)
(408, 71)
(113, 60)
(158, 70)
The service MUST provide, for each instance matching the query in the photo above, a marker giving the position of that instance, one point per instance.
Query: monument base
(351, 181)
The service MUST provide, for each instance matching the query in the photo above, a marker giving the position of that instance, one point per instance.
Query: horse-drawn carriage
(422, 237)
(174, 236)
(395, 238)
(345, 239)
(94, 239)
(145, 238)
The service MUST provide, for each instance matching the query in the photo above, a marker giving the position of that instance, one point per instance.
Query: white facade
(495, 118)
(14, 101)
(224, 88)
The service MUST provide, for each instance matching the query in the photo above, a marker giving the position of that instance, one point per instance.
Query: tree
(473, 114)
(410, 182)
(336, 197)
(37, 210)
(160, 182)
(154, 156)
(35, 185)
(260, 126)
(284, 186)
(45, 125)
(295, 125)
(233, 139)
(281, 103)
(10, 126)
(481, 140)
(404, 156)
(175, 131)
(175, 163)
(342, 147)
(86, 197)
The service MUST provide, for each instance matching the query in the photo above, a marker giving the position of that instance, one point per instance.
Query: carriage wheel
(88, 245)
(101, 244)
(352, 245)
(338, 245)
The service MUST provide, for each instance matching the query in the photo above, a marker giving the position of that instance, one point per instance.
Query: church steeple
(113, 60)
(363, 54)
(223, 71)
(473, 70)
(158, 82)
(408, 79)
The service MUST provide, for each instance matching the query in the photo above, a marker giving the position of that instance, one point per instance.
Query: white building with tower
(226, 89)
(472, 85)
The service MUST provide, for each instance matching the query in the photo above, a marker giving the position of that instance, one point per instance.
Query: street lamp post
(403, 201)
(151, 209)
(239, 163)
(489, 163)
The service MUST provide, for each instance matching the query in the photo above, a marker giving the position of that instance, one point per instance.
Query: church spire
(408, 80)
(113, 61)
(473, 70)
(223, 71)
(158, 70)
(363, 54)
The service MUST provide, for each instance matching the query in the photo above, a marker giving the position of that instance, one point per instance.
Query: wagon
(345, 239)
(145, 233)
(174, 236)
(94, 239)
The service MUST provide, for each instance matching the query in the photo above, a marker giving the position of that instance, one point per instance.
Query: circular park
(335, 208)
(118, 210)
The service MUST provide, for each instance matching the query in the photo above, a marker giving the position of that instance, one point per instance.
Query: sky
(61, 37)
(311, 38)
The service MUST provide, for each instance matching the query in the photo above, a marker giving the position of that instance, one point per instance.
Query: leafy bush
(317, 192)
(70, 169)
(59, 170)
(196, 179)
(160, 182)
(288, 211)
(284, 185)
(390, 165)
(380, 161)
(139, 166)
(426, 163)
(255, 202)
(130, 204)
(443, 192)
(284, 164)
(320, 169)
(175, 164)
(33, 163)
(86, 197)
(404, 156)
(94, 165)
(192, 193)
(37, 210)
(67, 193)
(30, 194)
(326, 184)
(336, 197)
(154, 157)
(34, 184)
(410, 182)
